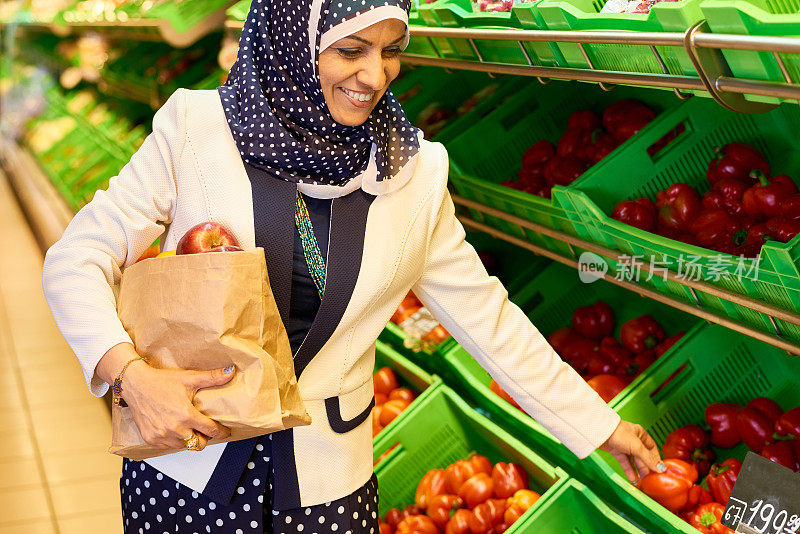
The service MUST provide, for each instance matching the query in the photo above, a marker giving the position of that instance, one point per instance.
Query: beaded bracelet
(116, 387)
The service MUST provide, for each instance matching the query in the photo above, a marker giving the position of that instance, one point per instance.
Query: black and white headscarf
(277, 113)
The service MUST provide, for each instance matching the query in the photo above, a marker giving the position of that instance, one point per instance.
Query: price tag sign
(765, 499)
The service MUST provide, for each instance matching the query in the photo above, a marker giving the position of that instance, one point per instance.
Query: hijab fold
(277, 113)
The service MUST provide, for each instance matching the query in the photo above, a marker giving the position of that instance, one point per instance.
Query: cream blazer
(189, 171)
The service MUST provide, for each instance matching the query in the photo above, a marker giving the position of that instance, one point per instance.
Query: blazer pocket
(339, 425)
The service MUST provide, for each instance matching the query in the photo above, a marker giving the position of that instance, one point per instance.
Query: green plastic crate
(713, 364)
(549, 301)
(774, 279)
(442, 430)
(239, 10)
(490, 151)
(183, 16)
(756, 17)
(408, 374)
(460, 14)
(515, 267)
(575, 509)
(584, 15)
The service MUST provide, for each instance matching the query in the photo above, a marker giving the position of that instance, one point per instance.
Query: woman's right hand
(160, 400)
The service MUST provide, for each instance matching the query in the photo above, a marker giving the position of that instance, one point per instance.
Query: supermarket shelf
(703, 48)
(45, 209)
(137, 29)
(771, 311)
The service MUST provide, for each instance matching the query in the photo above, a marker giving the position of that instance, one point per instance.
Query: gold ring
(192, 442)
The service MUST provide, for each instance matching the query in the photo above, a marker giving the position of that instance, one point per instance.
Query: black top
(305, 298)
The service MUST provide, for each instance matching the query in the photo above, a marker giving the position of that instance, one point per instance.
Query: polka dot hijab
(277, 113)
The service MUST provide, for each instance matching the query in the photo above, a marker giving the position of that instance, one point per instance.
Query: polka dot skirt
(153, 502)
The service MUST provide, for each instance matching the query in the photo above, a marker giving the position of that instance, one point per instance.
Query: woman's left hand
(635, 450)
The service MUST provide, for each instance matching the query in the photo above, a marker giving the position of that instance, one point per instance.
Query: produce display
(690, 453)
(606, 363)
(390, 399)
(419, 324)
(493, 5)
(468, 496)
(589, 138)
(742, 209)
(631, 6)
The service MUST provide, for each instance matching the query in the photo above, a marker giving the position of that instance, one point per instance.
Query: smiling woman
(356, 71)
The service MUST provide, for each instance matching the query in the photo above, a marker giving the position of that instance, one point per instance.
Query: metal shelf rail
(697, 310)
(703, 48)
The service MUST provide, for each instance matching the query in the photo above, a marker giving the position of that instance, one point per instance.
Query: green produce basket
(549, 300)
(774, 279)
(183, 16)
(239, 10)
(575, 509)
(408, 374)
(712, 364)
(442, 430)
(460, 14)
(515, 267)
(419, 46)
(756, 17)
(490, 151)
(583, 15)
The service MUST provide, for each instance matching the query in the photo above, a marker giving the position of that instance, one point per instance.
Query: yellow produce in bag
(207, 311)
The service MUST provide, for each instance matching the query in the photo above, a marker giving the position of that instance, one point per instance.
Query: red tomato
(403, 394)
(390, 410)
(431, 485)
(476, 489)
(384, 381)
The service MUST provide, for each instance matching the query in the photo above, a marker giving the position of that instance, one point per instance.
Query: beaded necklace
(314, 260)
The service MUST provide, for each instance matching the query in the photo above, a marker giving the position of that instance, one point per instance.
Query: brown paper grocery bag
(208, 311)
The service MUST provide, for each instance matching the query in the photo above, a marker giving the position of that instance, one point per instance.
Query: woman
(305, 153)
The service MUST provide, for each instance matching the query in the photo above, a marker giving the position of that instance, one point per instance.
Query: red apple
(226, 248)
(206, 237)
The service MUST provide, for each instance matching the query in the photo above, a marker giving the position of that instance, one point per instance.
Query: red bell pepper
(730, 193)
(620, 117)
(564, 170)
(737, 161)
(678, 205)
(571, 143)
(757, 235)
(716, 229)
(595, 321)
(600, 365)
(768, 407)
(578, 353)
(442, 507)
(722, 477)
(531, 176)
(586, 120)
(788, 424)
(641, 213)
(667, 344)
(615, 353)
(698, 496)
(642, 333)
(561, 338)
(508, 478)
(641, 362)
(486, 516)
(538, 154)
(707, 518)
(632, 126)
(671, 488)
(432, 484)
(755, 428)
(784, 230)
(721, 417)
(462, 470)
(764, 198)
(790, 207)
(476, 490)
(597, 145)
(690, 444)
(781, 452)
